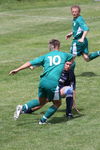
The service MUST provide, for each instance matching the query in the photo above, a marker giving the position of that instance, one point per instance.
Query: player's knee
(57, 103)
(86, 58)
(69, 92)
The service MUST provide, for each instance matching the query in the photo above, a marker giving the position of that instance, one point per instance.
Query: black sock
(69, 103)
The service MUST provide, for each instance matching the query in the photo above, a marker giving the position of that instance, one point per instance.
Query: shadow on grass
(87, 74)
(63, 119)
(28, 120)
(73, 110)
(55, 120)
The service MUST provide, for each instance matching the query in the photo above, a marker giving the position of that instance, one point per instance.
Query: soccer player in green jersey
(79, 32)
(67, 86)
(53, 64)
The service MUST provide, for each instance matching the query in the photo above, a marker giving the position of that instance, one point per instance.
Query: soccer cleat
(41, 122)
(17, 112)
(69, 116)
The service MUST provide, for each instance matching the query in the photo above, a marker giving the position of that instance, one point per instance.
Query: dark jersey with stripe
(67, 79)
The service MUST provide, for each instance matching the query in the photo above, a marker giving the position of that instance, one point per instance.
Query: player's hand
(68, 36)
(13, 72)
(81, 40)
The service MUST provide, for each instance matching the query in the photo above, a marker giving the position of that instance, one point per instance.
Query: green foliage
(25, 29)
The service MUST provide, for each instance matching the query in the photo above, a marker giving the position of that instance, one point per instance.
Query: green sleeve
(39, 61)
(69, 57)
(82, 24)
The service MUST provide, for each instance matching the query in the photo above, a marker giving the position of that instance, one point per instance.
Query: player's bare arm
(33, 67)
(26, 65)
(83, 36)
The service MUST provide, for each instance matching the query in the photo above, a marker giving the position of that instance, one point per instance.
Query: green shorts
(78, 48)
(49, 90)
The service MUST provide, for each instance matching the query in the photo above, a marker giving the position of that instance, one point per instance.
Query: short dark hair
(54, 43)
(76, 6)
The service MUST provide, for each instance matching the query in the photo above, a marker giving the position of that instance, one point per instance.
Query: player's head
(54, 44)
(67, 65)
(75, 9)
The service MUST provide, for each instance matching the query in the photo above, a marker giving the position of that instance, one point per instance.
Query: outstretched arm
(26, 65)
(33, 67)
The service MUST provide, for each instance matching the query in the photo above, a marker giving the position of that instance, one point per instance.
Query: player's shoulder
(55, 52)
(80, 18)
(66, 53)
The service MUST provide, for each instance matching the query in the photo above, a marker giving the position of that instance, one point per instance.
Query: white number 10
(54, 60)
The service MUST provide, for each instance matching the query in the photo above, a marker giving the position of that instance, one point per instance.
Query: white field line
(10, 61)
(45, 17)
(22, 59)
(38, 9)
(15, 60)
(30, 16)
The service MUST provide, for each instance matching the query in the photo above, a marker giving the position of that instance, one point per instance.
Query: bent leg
(69, 101)
(86, 57)
(67, 91)
(51, 110)
(94, 55)
(91, 56)
(33, 105)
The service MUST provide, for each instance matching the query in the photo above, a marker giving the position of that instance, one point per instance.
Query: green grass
(25, 29)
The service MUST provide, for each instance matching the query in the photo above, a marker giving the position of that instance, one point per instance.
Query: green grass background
(26, 26)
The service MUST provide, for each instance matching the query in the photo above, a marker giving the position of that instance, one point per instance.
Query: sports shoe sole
(17, 112)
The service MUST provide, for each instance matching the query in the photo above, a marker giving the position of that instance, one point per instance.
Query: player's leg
(67, 91)
(51, 110)
(28, 107)
(85, 53)
(55, 98)
(75, 48)
(91, 56)
(85, 57)
(33, 105)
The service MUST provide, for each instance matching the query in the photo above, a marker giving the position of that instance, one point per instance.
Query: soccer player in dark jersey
(67, 85)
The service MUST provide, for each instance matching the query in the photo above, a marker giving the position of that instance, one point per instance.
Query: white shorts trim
(57, 94)
(74, 49)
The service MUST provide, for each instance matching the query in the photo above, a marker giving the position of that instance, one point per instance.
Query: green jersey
(78, 27)
(53, 64)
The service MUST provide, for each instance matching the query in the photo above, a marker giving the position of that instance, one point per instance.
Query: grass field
(25, 29)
